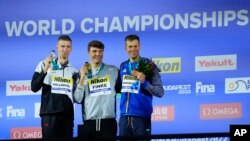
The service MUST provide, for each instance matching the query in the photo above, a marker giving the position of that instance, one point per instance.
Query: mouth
(97, 58)
(133, 53)
(65, 54)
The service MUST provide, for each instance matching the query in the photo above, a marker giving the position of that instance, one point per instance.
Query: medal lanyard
(98, 72)
(130, 67)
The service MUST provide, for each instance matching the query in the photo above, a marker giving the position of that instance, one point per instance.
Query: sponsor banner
(220, 111)
(168, 65)
(163, 113)
(26, 133)
(237, 85)
(179, 89)
(216, 62)
(204, 89)
(19, 88)
(15, 113)
(37, 110)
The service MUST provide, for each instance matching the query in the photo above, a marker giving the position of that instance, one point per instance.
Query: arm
(79, 90)
(118, 84)
(38, 77)
(40, 73)
(154, 86)
(79, 93)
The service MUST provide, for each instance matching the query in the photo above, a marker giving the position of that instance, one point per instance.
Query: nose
(98, 53)
(66, 49)
(133, 49)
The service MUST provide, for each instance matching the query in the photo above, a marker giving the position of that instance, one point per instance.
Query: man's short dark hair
(132, 37)
(64, 38)
(96, 44)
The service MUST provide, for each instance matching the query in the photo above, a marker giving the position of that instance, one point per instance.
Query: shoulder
(40, 66)
(146, 60)
(124, 63)
(73, 69)
(110, 67)
(40, 63)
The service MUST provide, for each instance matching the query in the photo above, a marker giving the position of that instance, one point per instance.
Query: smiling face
(132, 47)
(95, 55)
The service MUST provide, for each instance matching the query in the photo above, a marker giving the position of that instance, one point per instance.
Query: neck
(136, 59)
(96, 65)
(62, 60)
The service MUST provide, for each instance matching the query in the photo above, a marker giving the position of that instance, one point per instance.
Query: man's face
(132, 48)
(95, 55)
(64, 48)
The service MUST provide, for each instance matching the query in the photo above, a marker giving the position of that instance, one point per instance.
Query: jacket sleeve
(154, 86)
(38, 77)
(79, 91)
(118, 84)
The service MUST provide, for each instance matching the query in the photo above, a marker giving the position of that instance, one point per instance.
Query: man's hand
(83, 72)
(47, 63)
(139, 75)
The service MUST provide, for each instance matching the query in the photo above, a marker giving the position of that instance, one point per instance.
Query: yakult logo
(220, 111)
(26, 133)
(19, 88)
(163, 113)
(215, 63)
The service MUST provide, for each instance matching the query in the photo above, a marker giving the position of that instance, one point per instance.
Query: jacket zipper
(127, 102)
(63, 72)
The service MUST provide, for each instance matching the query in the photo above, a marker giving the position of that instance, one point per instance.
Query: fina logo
(237, 85)
(15, 113)
(204, 89)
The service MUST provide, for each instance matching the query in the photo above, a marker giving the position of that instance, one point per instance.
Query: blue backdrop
(202, 48)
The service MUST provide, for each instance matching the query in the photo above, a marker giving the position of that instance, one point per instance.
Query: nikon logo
(168, 65)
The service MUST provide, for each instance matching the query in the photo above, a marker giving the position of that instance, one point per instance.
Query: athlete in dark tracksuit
(58, 84)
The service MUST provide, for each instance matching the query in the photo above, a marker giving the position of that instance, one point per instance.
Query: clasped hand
(85, 69)
(139, 75)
